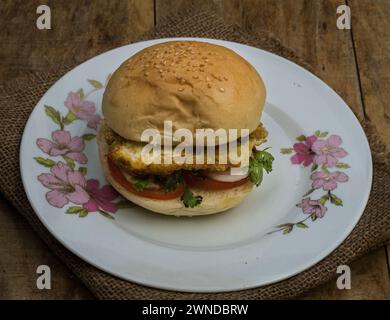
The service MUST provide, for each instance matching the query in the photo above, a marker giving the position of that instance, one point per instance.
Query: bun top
(196, 85)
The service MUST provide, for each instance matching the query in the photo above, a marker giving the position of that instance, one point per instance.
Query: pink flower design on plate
(328, 151)
(100, 198)
(303, 151)
(327, 180)
(83, 109)
(312, 207)
(63, 144)
(65, 184)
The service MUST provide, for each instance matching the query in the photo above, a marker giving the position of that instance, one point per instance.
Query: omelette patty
(127, 154)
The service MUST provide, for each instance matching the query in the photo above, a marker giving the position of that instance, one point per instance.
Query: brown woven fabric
(18, 98)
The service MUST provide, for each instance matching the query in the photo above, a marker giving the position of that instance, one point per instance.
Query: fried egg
(129, 155)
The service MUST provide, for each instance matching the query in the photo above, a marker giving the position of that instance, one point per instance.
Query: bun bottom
(214, 201)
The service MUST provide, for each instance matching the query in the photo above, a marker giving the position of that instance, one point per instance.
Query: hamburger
(194, 86)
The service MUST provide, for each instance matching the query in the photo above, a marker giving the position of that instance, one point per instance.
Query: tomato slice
(158, 194)
(208, 183)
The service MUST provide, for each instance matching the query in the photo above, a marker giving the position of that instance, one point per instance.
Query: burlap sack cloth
(18, 98)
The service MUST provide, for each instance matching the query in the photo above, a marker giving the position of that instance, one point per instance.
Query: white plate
(231, 251)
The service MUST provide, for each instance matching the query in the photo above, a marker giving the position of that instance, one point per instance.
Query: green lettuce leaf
(259, 161)
(170, 182)
(140, 183)
(189, 199)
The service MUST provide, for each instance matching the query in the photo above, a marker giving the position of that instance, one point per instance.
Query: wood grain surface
(355, 63)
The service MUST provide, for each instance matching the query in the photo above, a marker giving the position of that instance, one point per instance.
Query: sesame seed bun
(214, 201)
(196, 85)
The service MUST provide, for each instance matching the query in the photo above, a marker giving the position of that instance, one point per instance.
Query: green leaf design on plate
(284, 225)
(96, 84)
(89, 136)
(309, 192)
(106, 215)
(323, 134)
(320, 134)
(70, 117)
(301, 138)
(53, 114)
(83, 213)
(69, 162)
(301, 225)
(74, 209)
(286, 150)
(288, 229)
(336, 200)
(323, 199)
(314, 167)
(81, 93)
(313, 217)
(45, 162)
(324, 169)
(83, 170)
(343, 166)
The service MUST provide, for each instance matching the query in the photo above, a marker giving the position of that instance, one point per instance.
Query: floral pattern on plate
(67, 178)
(322, 152)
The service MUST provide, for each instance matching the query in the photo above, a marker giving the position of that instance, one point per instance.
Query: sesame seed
(222, 89)
(195, 76)
(181, 89)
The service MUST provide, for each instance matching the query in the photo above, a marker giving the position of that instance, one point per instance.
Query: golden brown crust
(196, 85)
(127, 154)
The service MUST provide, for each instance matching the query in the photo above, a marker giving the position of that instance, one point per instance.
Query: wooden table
(356, 63)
